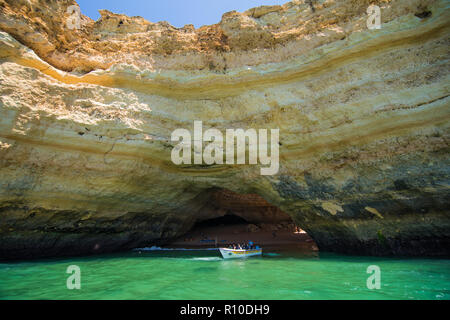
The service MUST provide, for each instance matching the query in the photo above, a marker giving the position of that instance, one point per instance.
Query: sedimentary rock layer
(86, 117)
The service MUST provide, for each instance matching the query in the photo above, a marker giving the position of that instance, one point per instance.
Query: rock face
(86, 117)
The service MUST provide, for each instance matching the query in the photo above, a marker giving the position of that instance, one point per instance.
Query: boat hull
(237, 254)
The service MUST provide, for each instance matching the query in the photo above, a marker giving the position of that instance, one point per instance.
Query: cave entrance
(231, 218)
(226, 220)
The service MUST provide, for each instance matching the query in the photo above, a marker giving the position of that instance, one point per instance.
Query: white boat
(239, 253)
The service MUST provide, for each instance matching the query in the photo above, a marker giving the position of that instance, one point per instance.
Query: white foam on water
(207, 259)
(155, 248)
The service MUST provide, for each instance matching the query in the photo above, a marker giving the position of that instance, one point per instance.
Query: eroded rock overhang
(86, 119)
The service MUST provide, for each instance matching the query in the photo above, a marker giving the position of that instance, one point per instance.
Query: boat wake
(207, 259)
(155, 248)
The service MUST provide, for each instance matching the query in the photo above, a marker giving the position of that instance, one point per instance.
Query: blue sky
(176, 12)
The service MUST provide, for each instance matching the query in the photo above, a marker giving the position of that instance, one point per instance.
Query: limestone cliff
(86, 117)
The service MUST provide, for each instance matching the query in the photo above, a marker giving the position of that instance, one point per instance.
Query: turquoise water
(204, 275)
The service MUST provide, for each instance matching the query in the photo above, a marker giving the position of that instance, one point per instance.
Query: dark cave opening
(230, 218)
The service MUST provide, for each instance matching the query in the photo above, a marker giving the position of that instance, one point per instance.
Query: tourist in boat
(241, 250)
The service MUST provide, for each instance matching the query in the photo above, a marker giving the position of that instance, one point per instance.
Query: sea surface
(153, 273)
